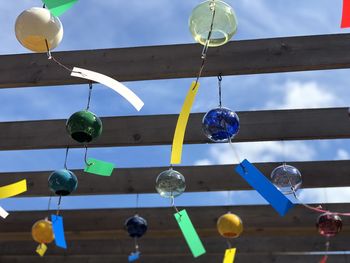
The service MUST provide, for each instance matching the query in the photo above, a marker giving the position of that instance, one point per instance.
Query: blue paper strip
(58, 231)
(134, 256)
(261, 184)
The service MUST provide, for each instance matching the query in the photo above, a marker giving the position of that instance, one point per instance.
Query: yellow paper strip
(230, 255)
(41, 249)
(13, 189)
(176, 150)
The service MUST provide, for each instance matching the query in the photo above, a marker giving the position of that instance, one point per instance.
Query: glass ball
(63, 182)
(170, 183)
(136, 226)
(224, 26)
(230, 225)
(34, 26)
(42, 232)
(84, 126)
(220, 124)
(286, 176)
(329, 225)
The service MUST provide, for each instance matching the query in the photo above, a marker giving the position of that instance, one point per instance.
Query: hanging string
(59, 205)
(137, 247)
(219, 85)
(325, 257)
(85, 156)
(50, 57)
(65, 158)
(206, 46)
(89, 98)
(137, 203)
(318, 209)
(172, 198)
(48, 207)
(229, 246)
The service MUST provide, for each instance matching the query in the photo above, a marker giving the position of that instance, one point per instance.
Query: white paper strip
(111, 83)
(3, 213)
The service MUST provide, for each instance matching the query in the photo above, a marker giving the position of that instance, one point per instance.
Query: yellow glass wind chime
(212, 23)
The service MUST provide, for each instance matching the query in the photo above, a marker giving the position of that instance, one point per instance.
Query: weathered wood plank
(272, 125)
(168, 246)
(208, 258)
(255, 218)
(198, 178)
(181, 61)
(99, 234)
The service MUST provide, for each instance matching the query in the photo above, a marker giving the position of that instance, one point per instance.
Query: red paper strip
(345, 22)
(324, 259)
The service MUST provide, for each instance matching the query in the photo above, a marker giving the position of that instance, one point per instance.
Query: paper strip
(3, 213)
(345, 21)
(134, 256)
(230, 255)
(265, 188)
(13, 189)
(190, 234)
(58, 231)
(324, 259)
(99, 167)
(176, 149)
(58, 7)
(111, 83)
(41, 249)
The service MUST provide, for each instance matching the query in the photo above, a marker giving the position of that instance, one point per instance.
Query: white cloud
(258, 152)
(298, 95)
(342, 155)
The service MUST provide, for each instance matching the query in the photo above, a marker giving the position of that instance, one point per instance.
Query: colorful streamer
(190, 233)
(58, 230)
(176, 150)
(111, 83)
(41, 249)
(58, 7)
(265, 188)
(230, 255)
(13, 189)
(345, 21)
(3, 213)
(98, 167)
(134, 256)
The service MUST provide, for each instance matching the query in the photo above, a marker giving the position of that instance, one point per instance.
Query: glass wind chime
(288, 180)
(220, 124)
(136, 226)
(229, 226)
(62, 183)
(212, 24)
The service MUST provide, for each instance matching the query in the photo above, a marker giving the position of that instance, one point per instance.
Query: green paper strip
(99, 167)
(58, 7)
(190, 234)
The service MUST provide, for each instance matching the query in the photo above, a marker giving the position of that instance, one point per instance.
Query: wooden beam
(269, 125)
(208, 258)
(198, 178)
(255, 218)
(180, 61)
(99, 234)
(177, 246)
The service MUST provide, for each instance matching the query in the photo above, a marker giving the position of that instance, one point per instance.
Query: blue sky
(92, 24)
